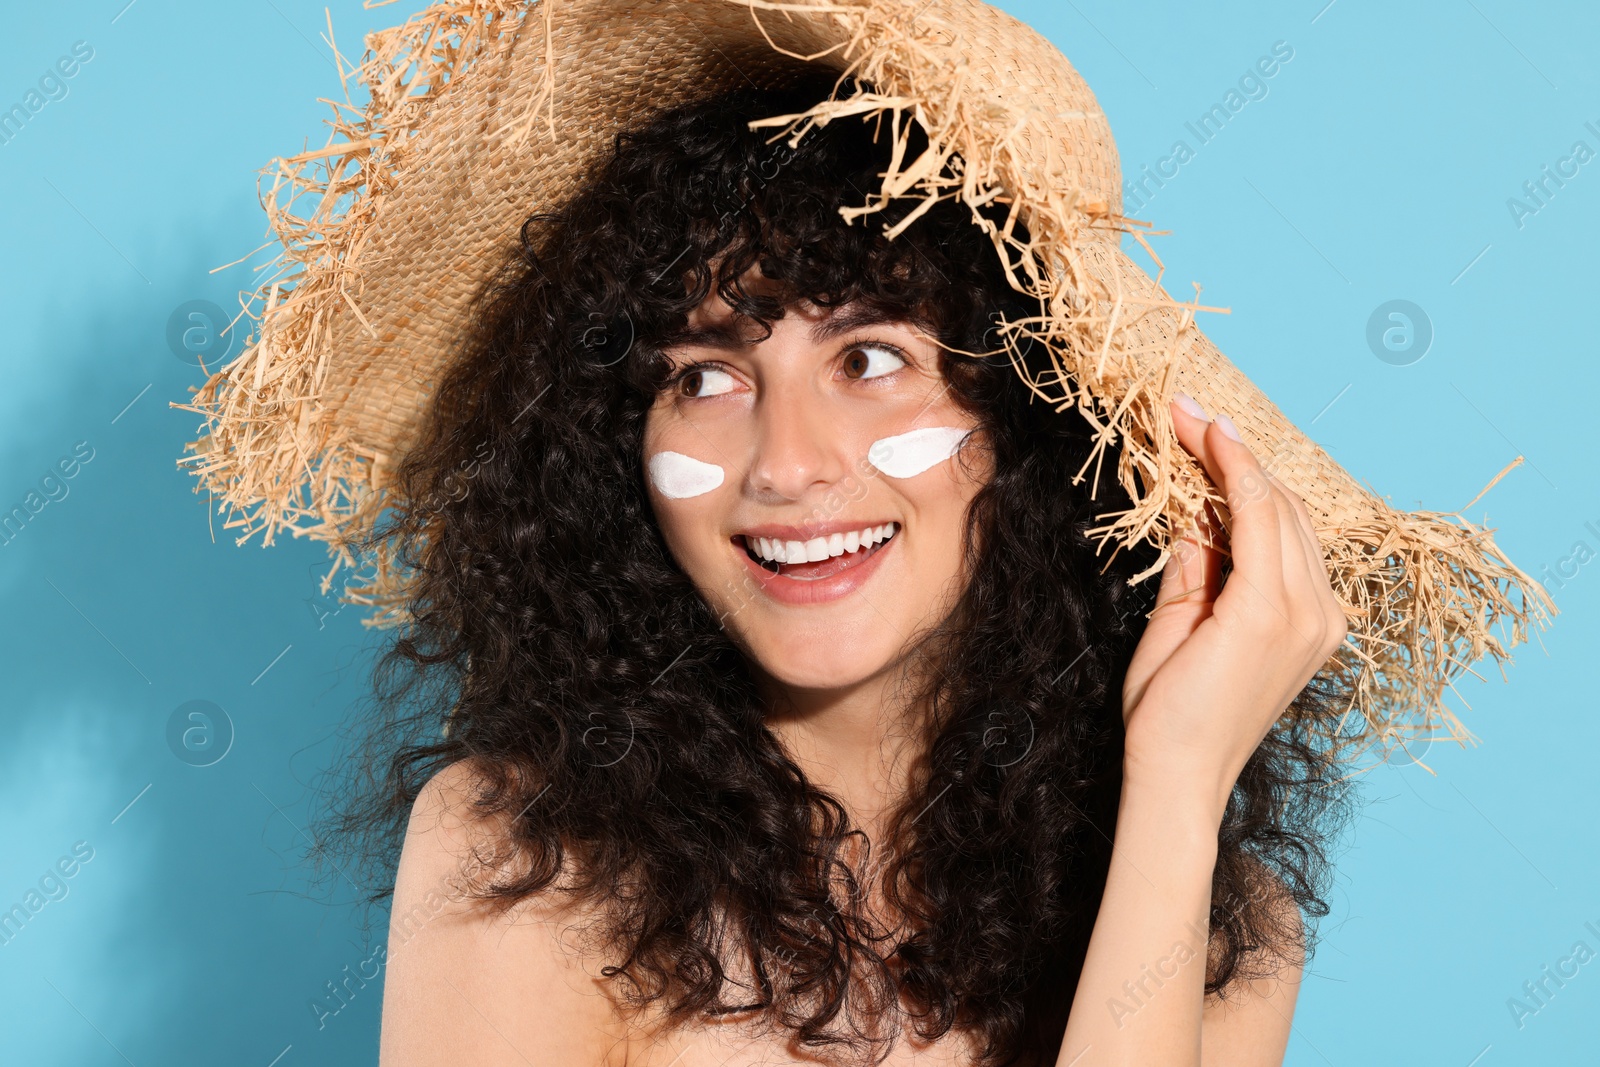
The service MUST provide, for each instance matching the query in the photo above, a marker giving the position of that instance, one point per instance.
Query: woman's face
(808, 487)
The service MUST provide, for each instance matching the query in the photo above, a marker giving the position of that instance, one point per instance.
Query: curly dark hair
(612, 722)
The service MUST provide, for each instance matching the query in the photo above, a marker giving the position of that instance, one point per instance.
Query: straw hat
(483, 111)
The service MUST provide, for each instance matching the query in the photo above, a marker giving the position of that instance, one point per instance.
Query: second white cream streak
(909, 454)
(679, 476)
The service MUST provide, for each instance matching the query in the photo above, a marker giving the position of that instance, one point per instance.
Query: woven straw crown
(484, 111)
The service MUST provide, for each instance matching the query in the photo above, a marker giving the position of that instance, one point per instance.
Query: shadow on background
(188, 926)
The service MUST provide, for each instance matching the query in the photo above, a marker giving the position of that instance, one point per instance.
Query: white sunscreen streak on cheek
(679, 476)
(909, 454)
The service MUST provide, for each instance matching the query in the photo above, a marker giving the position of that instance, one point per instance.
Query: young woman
(791, 714)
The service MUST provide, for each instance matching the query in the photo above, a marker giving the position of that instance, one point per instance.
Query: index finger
(1254, 537)
(1241, 479)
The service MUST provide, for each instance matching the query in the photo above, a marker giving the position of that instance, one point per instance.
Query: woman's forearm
(1219, 662)
(1140, 997)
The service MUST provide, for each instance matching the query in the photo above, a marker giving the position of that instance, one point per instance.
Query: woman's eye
(705, 381)
(872, 361)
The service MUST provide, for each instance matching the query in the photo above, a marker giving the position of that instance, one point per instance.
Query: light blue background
(1377, 167)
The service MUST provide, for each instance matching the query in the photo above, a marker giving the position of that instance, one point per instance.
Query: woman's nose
(797, 444)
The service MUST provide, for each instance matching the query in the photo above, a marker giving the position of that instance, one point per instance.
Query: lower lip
(788, 590)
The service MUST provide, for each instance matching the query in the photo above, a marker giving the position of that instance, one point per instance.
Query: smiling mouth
(820, 557)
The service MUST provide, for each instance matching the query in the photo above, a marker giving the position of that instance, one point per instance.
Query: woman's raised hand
(1220, 661)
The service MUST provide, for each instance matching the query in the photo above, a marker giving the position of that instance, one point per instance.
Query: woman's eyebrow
(726, 336)
(720, 335)
(852, 316)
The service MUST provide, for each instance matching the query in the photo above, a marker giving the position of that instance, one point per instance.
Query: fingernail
(1228, 427)
(1191, 405)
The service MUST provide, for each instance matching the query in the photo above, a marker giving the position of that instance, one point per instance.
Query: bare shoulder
(1249, 1025)
(469, 982)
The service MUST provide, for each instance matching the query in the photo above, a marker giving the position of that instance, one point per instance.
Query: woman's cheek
(908, 454)
(680, 477)
(685, 494)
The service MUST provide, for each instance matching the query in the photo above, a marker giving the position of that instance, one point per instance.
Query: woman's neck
(856, 743)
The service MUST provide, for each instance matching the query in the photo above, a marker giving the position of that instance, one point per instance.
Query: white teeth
(820, 548)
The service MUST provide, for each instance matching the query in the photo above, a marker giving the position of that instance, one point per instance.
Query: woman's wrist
(1188, 796)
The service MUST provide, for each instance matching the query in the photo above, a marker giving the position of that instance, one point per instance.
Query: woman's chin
(842, 667)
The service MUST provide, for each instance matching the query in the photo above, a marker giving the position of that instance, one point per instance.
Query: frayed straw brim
(482, 112)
